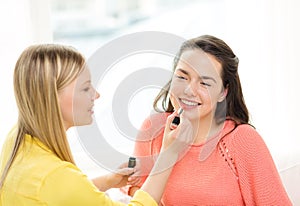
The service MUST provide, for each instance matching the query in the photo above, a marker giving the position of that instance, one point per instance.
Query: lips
(186, 103)
(91, 109)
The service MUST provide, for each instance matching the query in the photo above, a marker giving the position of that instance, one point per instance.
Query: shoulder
(247, 135)
(152, 126)
(245, 140)
(242, 133)
(155, 120)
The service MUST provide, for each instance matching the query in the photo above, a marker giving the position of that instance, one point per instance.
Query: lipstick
(176, 119)
(132, 162)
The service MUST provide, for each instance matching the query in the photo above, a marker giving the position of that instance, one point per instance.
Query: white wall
(22, 23)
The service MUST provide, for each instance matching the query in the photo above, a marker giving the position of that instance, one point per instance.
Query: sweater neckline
(214, 137)
(208, 146)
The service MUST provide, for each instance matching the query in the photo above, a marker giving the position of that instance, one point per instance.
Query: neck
(205, 128)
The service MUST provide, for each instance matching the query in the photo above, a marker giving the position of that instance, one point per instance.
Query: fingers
(185, 133)
(171, 130)
(134, 180)
(123, 165)
(170, 118)
(173, 120)
(178, 137)
(125, 171)
(176, 120)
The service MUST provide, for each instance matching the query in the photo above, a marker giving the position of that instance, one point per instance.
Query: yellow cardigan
(38, 177)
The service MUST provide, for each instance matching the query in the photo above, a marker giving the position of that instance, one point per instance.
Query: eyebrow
(86, 82)
(200, 77)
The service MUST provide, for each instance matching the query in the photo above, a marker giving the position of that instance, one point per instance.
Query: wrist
(109, 179)
(102, 182)
(165, 160)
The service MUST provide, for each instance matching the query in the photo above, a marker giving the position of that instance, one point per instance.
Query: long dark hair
(233, 107)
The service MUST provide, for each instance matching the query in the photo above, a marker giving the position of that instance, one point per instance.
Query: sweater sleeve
(69, 187)
(259, 179)
(148, 143)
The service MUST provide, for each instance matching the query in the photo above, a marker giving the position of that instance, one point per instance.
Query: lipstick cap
(132, 162)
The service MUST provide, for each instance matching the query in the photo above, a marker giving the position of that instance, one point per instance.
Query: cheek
(175, 91)
(174, 102)
(79, 104)
(66, 106)
(208, 96)
(177, 87)
(82, 103)
(204, 92)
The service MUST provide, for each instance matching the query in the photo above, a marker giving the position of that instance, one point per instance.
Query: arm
(175, 143)
(67, 185)
(147, 146)
(259, 179)
(117, 179)
(156, 181)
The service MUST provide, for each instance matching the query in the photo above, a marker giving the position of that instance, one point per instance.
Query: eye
(180, 77)
(205, 84)
(86, 89)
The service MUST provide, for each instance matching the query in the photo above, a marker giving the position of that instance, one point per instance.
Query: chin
(87, 121)
(192, 114)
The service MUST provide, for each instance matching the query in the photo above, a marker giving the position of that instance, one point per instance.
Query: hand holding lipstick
(176, 120)
(178, 134)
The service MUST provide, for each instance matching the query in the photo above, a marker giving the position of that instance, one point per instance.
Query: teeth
(189, 103)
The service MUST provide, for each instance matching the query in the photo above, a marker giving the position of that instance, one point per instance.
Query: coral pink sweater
(232, 169)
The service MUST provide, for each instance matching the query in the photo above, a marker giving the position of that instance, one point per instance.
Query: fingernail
(173, 126)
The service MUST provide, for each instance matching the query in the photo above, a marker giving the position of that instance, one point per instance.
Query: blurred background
(264, 34)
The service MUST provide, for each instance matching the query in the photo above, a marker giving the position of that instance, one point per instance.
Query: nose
(190, 90)
(96, 95)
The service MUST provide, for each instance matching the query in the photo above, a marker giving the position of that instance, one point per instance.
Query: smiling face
(197, 85)
(77, 101)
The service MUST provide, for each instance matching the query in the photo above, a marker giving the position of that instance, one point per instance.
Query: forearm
(157, 180)
(102, 182)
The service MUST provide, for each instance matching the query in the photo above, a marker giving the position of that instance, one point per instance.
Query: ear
(223, 94)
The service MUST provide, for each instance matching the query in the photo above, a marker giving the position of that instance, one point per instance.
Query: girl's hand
(124, 176)
(177, 138)
(135, 178)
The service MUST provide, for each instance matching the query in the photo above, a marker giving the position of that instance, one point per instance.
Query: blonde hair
(40, 72)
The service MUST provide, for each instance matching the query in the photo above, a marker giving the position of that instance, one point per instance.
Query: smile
(189, 103)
